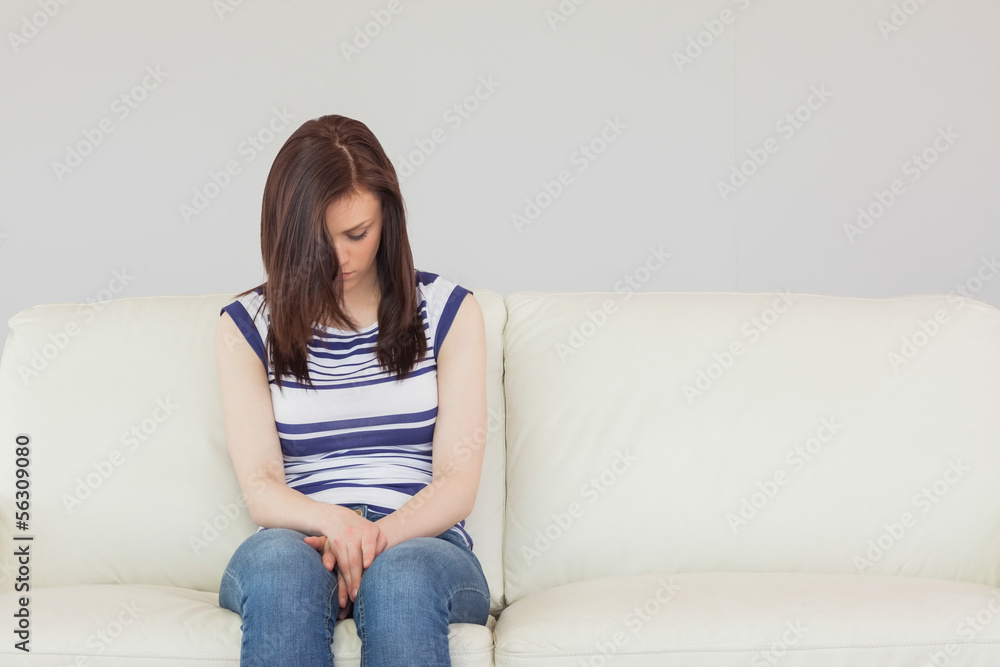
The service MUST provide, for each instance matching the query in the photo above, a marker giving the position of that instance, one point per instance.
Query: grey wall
(825, 107)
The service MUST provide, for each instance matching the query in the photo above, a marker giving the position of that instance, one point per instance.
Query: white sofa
(670, 479)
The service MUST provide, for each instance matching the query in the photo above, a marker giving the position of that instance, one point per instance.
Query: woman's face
(355, 227)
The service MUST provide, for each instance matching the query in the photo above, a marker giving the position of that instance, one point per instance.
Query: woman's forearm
(273, 504)
(437, 507)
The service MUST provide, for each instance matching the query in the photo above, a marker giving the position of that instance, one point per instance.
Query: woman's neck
(363, 309)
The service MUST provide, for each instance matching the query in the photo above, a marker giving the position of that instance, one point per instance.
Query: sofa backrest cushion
(662, 433)
(131, 480)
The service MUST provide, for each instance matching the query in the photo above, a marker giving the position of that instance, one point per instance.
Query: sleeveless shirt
(361, 437)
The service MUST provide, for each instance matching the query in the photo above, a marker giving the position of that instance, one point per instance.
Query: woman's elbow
(467, 502)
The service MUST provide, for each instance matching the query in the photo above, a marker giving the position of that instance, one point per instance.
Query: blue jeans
(406, 599)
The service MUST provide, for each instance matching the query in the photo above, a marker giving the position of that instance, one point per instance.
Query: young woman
(354, 396)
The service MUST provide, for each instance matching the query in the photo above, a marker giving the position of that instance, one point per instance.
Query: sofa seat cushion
(756, 619)
(469, 645)
(119, 625)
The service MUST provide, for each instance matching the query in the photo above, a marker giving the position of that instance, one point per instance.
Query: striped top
(361, 437)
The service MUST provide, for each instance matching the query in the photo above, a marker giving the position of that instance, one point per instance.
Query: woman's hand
(350, 543)
(344, 604)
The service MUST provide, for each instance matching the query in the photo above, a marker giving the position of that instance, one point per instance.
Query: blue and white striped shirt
(361, 437)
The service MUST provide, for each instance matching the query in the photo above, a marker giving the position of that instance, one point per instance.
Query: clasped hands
(350, 543)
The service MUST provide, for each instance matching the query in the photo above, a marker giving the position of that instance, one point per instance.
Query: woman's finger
(341, 595)
(381, 543)
(369, 540)
(322, 545)
(329, 558)
(343, 554)
(355, 570)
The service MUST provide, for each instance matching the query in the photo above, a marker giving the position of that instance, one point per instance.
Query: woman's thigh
(286, 598)
(276, 564)
(427, 573)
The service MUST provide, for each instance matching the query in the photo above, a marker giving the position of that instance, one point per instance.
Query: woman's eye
(358, 238)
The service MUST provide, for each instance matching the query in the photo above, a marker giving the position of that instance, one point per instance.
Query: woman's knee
(275, 559)
(417, 557)
(422, 570)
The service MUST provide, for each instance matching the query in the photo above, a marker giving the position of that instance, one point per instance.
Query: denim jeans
(407, 598)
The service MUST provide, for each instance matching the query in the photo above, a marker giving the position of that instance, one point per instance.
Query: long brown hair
(325, 160)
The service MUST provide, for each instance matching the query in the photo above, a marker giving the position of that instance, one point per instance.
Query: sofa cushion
(118, 625)
(128, 452)
(95, 625)
(664, 432)
(469, 645)
(757, 619)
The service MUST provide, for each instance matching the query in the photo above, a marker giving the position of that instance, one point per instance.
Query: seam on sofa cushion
(799, 649)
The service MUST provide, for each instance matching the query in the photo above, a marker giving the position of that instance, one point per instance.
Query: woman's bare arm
(459, 434)
(252, 440)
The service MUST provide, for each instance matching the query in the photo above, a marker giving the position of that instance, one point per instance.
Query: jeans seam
(359, 622)
(326, 626)
(236, 582)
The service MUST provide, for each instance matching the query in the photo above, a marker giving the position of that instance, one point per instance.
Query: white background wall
(892, 73)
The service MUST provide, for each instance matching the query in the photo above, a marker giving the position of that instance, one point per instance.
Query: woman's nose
(341, 257)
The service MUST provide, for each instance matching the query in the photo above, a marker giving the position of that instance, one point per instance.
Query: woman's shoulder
(442, 299)
(435, 286)
(250, 305)
(254, 299)
(249, 313)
